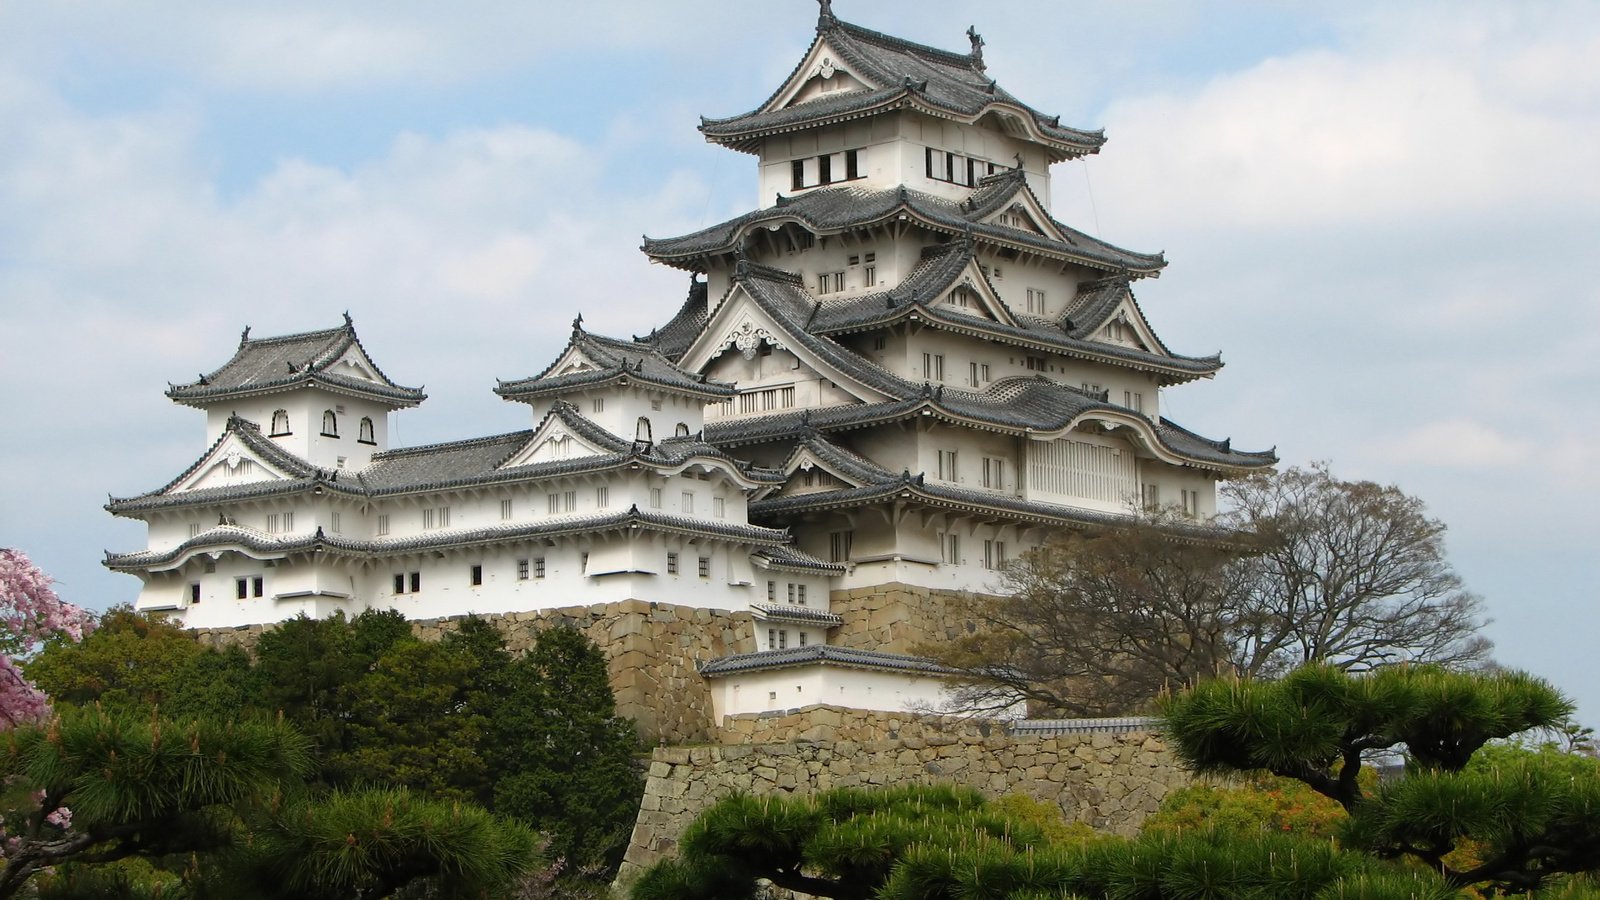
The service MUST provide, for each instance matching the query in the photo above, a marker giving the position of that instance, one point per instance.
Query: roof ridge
(890, 42)
(400, 452)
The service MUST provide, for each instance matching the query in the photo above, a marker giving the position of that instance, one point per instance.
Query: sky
(1384, 213)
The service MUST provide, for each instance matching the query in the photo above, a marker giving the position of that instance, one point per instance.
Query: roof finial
(244, 335)
(825, 17)
(577, 324)
(347, 322)
(977, 47)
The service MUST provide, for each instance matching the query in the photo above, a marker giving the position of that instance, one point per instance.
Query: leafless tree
(1302, 567)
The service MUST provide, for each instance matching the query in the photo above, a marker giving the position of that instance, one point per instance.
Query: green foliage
(1258, 803)
(371, 843)
(564, 760)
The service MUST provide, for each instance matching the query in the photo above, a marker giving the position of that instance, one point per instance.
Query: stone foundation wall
(895, 617)
(650, 649)
(1109, 781)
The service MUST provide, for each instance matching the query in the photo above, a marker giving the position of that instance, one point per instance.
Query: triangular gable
(1026, 213)
(353, 363)
(552, 441)
(810, 473)
(972, 294)
(573, 360)
(231, 462)
(740, 325)
(821, 73)
(1126, 327)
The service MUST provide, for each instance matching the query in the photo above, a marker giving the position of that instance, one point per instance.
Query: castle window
(194, 592)
(1133, 400)
(280, 423)
(783, 638)
(400, 583)
(672, 563)
(602, 497)
(1191, 503)
(933, 366)
(830, 282)
(364, 432)
(839, 545)
(683, 427)
(475, 576)
(977, 374)
(791, 593)
(538, 567)
(278, 523)
(718, 507)
(383, 524)
(599, 404)
(994, 554)
(687, 506)
(655, 498)
(772, 591)
(416, 582)
(641, 430)
(880, 343)
(950, 549)
(1151, 494)
(505, 510)
(852, 164)
(994, 473)
(800, 595)
(802, 636)
(704, 567)
(1036, 301)
(522, 569)
(336, 524)
(437, 517)
(869, 274)
(947, 465)
(555, 503)
(824, 169)
(330, 424)
(1034, 363)
(242, 588)
(194, 529)
(797, 175)
(569, 501)
(772, 644)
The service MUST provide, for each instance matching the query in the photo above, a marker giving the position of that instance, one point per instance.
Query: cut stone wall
(895, 617)
(650, 649)
(1109, 781)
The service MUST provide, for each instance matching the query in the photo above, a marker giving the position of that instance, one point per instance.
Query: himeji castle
(900, 371)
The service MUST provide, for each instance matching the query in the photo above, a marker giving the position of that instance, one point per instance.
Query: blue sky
(1383, 214)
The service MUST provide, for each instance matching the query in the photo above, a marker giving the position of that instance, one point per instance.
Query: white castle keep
(904, 370)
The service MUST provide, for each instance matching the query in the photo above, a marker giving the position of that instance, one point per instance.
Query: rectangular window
(1133, 400)
(1191, 503)
(687, 505)
(599, 404)
(416, 582)
(802, 636)
(505, 510)
(400, 583)
(772, 638)
(791, 592)
(475, 576)
(800, 594)
(947, 465)
(338, 528)
(569, 501)
(783, 638)
(555, 503)
(1035, 363)
(242, 588)
(194, 529)
(1036, 301)
(797, 174)
(852, 164)
(772, 591)
(278, 523)
(194, 592)
(383, 524)
(705, 567)
(538, 567)
(933, 366)
(950, 549)
(672, 563)
(994, 473)
(839, 545)
(1151, 493)
(824, 169)
(522, 569)
(655, 498)
(830, 282)
(718, 507)
(602, 497)
(994, 554)
(880, 343)
(438, 517)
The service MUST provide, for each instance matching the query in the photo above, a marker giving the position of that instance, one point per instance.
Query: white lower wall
(795, 686)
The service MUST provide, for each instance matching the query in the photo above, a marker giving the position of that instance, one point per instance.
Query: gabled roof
(899, 74)
(1033, 406)
(820, 654)
(591, 361)
(916, 298)
(671, 339)
(835, 209)
(633, 518)
(294, 475)
(308, 359)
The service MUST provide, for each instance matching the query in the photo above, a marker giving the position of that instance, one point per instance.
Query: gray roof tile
(824, 654)
(279, 363)
(615, 361)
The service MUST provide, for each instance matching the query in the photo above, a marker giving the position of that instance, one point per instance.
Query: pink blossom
(30, 614)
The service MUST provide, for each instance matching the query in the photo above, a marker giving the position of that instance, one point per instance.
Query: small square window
(705, 567)
(672, 563)
(538, 567)
(522, 570)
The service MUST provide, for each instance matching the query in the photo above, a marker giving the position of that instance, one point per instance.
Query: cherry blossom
(30, 614)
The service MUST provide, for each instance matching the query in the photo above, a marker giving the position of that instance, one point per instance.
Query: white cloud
(1459, 443)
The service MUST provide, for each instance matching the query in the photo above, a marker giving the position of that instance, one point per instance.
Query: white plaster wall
(797, 686)
(305, 407)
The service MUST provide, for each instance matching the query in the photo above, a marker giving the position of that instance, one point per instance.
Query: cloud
(1459, 443)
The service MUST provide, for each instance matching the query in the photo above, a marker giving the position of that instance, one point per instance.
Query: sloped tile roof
(261, 365)
(834, 209)
(824, 654)
(615, 361)
(906, 74)
(801, 615)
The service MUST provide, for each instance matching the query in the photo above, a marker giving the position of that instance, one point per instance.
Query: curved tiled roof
(803, 615)
(905, 75)
(788, 557)
(615, 361)
(673, 338)
(260, 542)
(825, 654)
(834, 209)
(296, 360)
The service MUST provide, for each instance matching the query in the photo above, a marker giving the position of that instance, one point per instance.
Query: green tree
(1526, 820)
(108, 785)
(565, 759)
